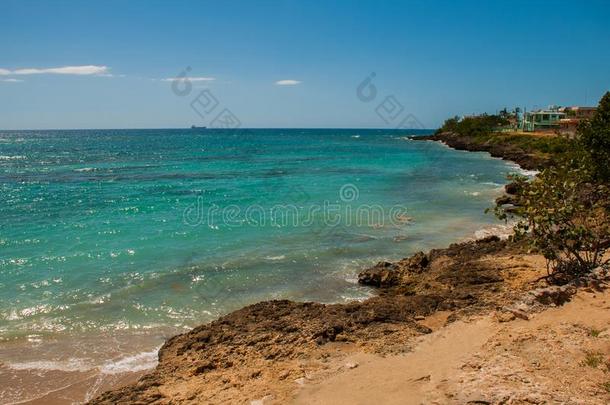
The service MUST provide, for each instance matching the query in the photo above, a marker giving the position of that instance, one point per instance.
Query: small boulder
(505, 316)
(417, 263)
(383, 274)
(557, 295)
(512, 188)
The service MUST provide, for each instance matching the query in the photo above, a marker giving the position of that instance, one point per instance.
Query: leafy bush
(566, 217)
(472, 126)
(594, 138)
(565, 210)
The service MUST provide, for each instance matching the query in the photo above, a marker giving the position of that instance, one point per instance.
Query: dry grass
(593, 359)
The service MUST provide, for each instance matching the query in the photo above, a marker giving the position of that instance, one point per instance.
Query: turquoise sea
(131, 230)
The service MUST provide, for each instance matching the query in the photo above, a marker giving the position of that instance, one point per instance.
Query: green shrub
(565, 210)
(473, 126)
(566, 217)
(594, 138)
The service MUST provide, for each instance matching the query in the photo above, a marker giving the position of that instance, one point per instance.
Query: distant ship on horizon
(196, 127)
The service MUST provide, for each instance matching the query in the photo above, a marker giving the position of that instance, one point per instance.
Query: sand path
(559, 355)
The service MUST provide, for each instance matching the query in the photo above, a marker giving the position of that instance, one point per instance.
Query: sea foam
(130, 364)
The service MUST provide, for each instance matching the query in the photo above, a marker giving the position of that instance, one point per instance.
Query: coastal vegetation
(483, 131)
(594, 140)
(473, 125)
(564, 213)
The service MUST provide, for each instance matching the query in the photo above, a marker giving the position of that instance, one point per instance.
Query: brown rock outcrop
(273, 343)
(501, 150)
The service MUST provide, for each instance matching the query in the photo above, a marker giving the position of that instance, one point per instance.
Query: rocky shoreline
(263, 351)
(506, 151)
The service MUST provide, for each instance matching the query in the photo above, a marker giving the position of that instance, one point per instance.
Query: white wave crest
(137, 362)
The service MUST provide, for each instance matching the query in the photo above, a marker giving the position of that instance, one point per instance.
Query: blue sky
(86, 64)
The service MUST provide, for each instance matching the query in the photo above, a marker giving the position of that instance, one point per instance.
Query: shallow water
(155, 231)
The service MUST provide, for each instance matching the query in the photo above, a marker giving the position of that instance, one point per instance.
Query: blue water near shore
(105, 230)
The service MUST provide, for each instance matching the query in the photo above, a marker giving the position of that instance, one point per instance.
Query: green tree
(472, 126)
(565, 210)
(594, 137)
(565, 217)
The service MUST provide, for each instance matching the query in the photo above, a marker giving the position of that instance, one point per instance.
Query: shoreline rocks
(266, 349)
(241, 354)
(386, 274)
(277, 343)
(509, 152)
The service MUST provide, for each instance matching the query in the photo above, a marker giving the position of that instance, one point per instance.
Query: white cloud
(64, 70)
(287, 82)
(11, 80)
(192, 79)
(110, 75)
